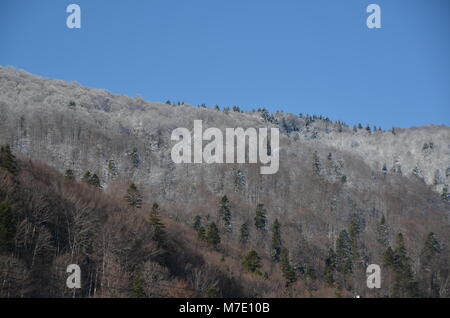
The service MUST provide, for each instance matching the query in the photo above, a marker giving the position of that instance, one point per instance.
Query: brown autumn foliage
(61, 222)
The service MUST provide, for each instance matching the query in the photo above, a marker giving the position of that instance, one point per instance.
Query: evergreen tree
(8, 160)
(91, 179)
(444, 194)
(159, 232)
(276, 241)
(344, 256)
(429, 264)
(389, 258)
(86, 177)
(244, 234)
(383, 232)
(384, 170)
(404, 285)
(431, 248)
(225, 213)
(201, 233)
(286, 268)
(69, 175)
(134, 156)
(197, 222)
(95, 181)
(133, 196)
(330, 267)
(138, 289)
(260, 217)
(212, 235)
(7, 227)
(112, 168)
(213, 292)
(252, 262)
(316, 163)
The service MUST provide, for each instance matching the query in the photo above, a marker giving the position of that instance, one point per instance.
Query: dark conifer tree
(276, 241)
(7, 227)
(133, 196)
(159, 233)
(261, 217)
(212, 235)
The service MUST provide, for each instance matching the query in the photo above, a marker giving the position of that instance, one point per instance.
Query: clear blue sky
(311, 56)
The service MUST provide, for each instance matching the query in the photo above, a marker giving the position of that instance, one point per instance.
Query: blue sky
(314, 56)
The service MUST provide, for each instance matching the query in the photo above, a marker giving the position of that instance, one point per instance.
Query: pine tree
(276, 241)
(7, 227)
(384, 170)
(445, 195)
(286, 268)
(225, 213)
(69, 175)
(133, 196)
(429, 264)
(383, 232)
(213, 292)
(212, 235)
(112, 169)
(8, 160)
(95, 181)
(134, 156)
(431, 247)
(91, 179)
(86, 177)
(354, 236)
(138, 289)
(244, 234)
(201, 233)
(252, 262)
(197, 222)
(260, 217)
(159, 233)
(316, 163)
(344, 256)
(389, 258)
(404, 285)
(330, 267)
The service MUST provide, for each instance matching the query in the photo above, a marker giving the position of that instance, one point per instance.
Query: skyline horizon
(211, 107)
(315, 57)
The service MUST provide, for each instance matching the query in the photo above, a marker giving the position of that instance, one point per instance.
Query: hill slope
(125, 139)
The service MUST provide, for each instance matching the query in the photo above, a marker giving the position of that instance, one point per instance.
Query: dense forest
(86, 178)
(128, 246)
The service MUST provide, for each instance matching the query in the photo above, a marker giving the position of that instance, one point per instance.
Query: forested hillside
(91, 165)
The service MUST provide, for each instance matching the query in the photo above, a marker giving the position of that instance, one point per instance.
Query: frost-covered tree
(316, 166)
